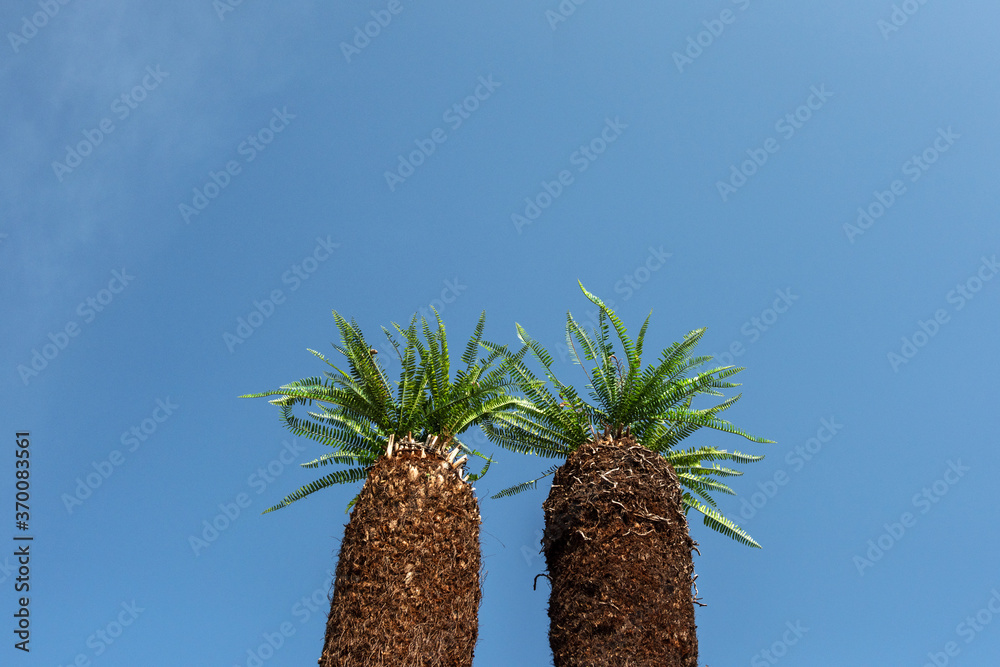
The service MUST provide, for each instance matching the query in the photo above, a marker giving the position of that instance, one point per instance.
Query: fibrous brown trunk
(619, 557)
(407, 585)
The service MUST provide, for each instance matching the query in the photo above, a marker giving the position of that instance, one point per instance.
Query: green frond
(642, 337)
(337, 477)
(355, 408)
(696, 455)
(340, 458)
(356, 436)
(525, 486)
(480, 407)
(716, 521)
(536, 348)
(626, 342)
(654, 404)
(297, 385)
(692, 482)
(472, 347)
(714, 469)
(701, 493)
(474, 477)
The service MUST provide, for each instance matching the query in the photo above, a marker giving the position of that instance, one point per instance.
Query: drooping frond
(530, 484)
(716, 521)
(337, 477)
(703, 484)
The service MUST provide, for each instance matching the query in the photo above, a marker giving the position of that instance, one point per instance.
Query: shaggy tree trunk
(407, 585)
(619, 556)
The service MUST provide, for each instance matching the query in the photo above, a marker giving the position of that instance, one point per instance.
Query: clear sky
(187, 190)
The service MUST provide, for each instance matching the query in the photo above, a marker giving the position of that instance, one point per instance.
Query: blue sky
(815, 184)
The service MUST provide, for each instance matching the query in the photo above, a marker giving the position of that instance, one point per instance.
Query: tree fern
(355, 410)
(653, 404)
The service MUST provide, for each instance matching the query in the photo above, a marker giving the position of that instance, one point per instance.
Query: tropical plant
(616, 540)
(407, 587)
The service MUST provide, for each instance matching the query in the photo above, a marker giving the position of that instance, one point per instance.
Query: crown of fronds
(358, 409)
(652, 404)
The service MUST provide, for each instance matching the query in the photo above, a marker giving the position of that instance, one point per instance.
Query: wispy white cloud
(71, 77)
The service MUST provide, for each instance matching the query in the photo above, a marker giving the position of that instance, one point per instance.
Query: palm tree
(616, 540)
(407, 586)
